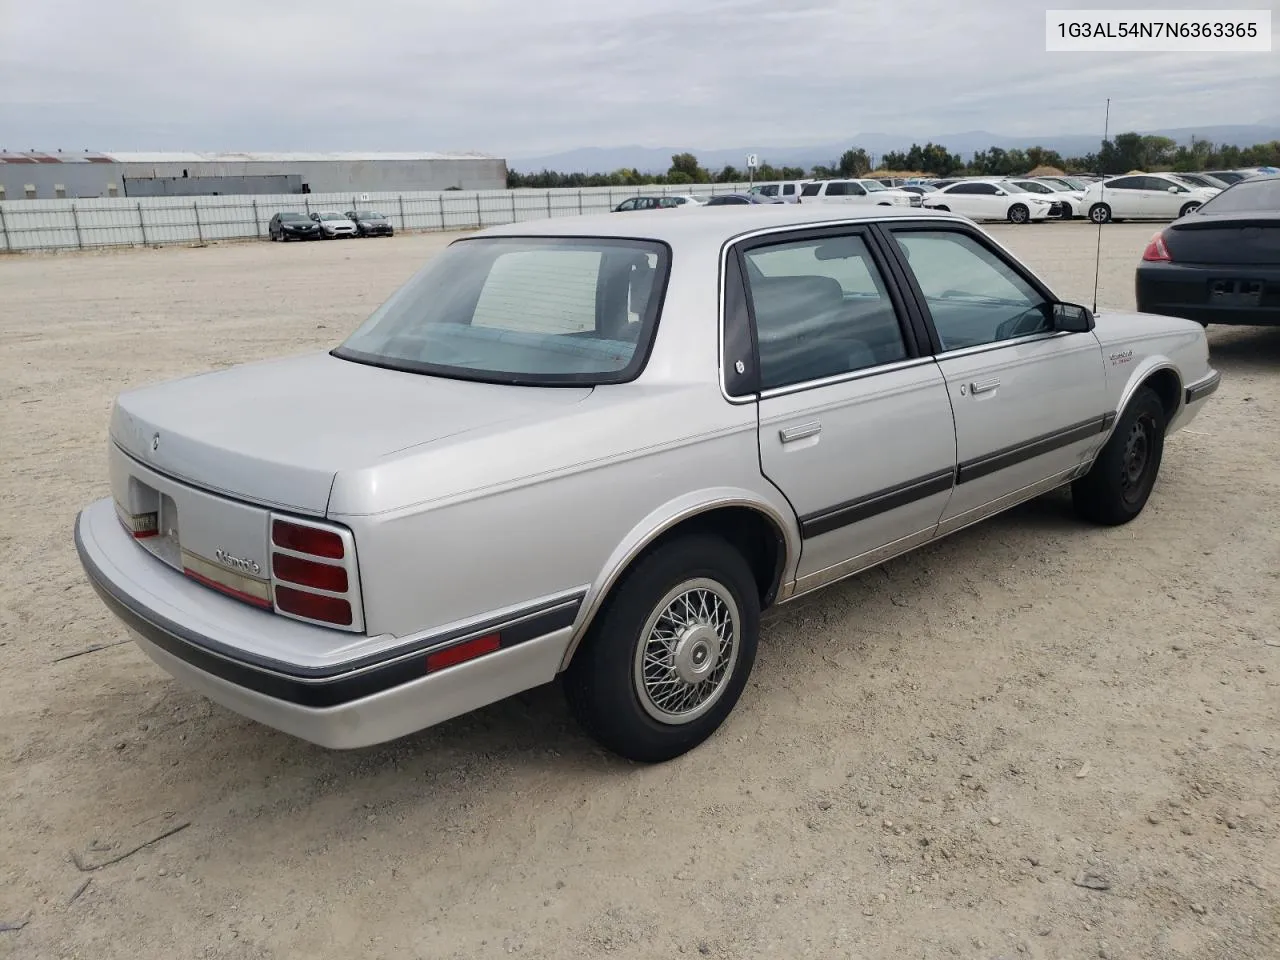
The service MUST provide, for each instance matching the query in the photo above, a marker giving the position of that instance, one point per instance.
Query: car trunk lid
(275, 433)
(1242, 239)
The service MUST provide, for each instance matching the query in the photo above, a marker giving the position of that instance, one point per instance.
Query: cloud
(519, 78)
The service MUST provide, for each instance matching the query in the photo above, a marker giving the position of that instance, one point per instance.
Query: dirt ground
(928, 763)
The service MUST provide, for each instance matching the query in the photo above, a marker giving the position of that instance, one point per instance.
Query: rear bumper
(214, 645)
(1183, 290)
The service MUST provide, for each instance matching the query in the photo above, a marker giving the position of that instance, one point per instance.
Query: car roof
(706, 225)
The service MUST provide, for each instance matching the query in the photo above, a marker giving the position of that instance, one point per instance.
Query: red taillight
(308, 573)
(302, 539)
(1157, 251)
(462, 652)
(313, 606)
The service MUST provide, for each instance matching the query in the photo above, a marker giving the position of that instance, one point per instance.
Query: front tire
(1019, 213)
(669, 654)
(1117, 487)
(1100, 213)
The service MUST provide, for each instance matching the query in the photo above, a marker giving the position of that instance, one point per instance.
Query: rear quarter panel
(499, 520)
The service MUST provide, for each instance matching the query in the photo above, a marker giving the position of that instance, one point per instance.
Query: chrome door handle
(800, 431)
(984, 386)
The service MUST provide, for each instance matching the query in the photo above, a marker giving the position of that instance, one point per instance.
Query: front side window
(974, 297)
(1125, 183)
(821, 309)
(525, 310)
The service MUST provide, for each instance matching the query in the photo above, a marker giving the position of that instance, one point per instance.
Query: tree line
(1127, 151)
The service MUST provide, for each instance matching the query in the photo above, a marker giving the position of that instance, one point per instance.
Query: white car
(990, 200)
(856, 191)
(788, 191)
(1070, 203)
(334, 224)
(1144, 196)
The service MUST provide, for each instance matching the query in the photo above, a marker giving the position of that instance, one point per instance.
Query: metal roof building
(36, 175)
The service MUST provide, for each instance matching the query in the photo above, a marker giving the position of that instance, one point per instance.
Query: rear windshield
(1245, 196)
(522, 310)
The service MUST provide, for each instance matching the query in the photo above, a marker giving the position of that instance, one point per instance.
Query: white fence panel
(153, 221)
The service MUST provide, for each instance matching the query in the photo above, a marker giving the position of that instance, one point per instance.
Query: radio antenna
(1102, 193)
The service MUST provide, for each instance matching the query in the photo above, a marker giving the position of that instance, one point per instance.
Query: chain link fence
(152, 221)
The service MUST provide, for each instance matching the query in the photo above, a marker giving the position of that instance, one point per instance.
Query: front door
(1028, 400)
(855, 426)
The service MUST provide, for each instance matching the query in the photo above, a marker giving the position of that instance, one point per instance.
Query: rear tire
(1118, 485)
(1188, 208)
(669, 654)
(1100, 213)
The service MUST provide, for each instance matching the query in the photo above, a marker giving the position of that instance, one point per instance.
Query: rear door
(855, 421)
(1030, 402)
(1124, 196)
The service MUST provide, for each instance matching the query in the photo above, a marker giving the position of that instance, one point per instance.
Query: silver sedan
(595, 449)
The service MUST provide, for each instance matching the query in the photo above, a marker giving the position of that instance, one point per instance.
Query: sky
(520, 78)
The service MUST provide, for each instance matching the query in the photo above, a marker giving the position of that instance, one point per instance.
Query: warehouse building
(71, 175)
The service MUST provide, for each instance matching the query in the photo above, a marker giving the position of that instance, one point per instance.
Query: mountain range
(658, 159)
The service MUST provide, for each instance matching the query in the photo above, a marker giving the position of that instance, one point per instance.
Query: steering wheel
(1029, 321)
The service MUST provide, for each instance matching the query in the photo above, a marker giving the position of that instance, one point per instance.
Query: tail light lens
(316, 541)
(314, 575)
(1157, 251)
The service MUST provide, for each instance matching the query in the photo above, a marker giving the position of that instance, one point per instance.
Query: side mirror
(1001, 193)
(1072, 318)
(1173, 189)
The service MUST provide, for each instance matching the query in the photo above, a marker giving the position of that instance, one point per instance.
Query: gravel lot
(928, 759)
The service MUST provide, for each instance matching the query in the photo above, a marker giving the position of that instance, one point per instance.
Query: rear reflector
(308, 573)
(313, 606)
(303, 539)
(462, 652)
(141, 525)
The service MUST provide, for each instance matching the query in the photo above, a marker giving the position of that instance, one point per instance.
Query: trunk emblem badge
(237, 563)
(155, 442)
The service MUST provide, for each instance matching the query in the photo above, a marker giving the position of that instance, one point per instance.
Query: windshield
(331, 216)
(873, 185)
(522, 310)
(1030, 186)
(1246, 196)
(369, 215)
(294, 217)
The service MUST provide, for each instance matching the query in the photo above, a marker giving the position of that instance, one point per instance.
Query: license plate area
(1236, 293)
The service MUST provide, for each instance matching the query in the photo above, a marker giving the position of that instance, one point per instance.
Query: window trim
(918, 351)
(630, 373)
(911, 285)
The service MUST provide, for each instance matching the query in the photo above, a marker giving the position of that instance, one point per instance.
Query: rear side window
(821, 309)
(1248, 195)
(537, 311)
(810, 189)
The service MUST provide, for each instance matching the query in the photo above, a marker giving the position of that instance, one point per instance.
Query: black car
(370, 223)
(1220, 264)
(733, 199)
(293, 226)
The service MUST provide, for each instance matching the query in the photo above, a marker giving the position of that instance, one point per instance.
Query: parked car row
(328, 225)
